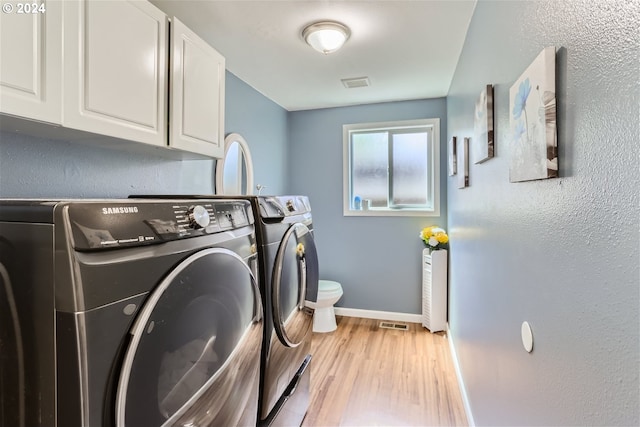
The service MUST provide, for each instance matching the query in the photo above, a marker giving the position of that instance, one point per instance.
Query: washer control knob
(290, 205)
(198, 217)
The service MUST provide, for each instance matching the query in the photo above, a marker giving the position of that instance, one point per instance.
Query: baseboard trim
(380, 315)
(463, 389)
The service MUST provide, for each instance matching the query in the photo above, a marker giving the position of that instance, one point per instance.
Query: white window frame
(433, 126)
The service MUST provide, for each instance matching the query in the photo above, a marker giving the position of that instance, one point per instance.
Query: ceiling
(408, 49)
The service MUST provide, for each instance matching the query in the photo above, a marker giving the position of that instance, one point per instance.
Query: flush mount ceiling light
(326, 37)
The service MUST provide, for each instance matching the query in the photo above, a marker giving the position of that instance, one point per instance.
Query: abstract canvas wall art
(532, 111)
(453, 161)
(483, 144)
(463, 162)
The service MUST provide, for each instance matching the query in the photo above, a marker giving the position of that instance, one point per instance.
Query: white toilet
(324, 318)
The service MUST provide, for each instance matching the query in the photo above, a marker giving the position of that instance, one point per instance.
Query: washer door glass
(190, 332)
(295, 281)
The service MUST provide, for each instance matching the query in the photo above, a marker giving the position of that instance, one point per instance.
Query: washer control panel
(135, 222)
(194, 216)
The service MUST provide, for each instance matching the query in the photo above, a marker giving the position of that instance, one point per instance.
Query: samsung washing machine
(288, 280)
(129, 313)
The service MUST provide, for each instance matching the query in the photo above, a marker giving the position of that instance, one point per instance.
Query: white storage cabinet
(31, 62)
(197, 94)
(434, 290)
(115, 77)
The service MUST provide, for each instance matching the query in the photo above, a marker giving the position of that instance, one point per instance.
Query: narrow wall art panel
(453, 161)
(532, 111)
(483, 144)
(463, 162)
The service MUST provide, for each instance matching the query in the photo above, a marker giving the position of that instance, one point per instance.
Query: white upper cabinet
(197, 94)
(115, 66)
(103, 67)
(30, 65)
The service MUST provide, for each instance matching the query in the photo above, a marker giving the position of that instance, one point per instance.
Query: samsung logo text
(119, 210)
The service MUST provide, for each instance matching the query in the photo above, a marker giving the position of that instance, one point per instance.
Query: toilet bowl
(324, 318)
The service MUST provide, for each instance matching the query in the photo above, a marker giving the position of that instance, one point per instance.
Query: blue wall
(376, 259)
(45, 168)
(562, 253)
(263, 124)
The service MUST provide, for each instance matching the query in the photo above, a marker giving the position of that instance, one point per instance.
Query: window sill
(391, 212)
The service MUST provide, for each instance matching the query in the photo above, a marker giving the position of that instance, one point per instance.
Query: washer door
(295, 280)
(192, 346)
(12, 369)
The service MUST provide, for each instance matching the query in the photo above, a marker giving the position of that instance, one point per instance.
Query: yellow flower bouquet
(434, 237)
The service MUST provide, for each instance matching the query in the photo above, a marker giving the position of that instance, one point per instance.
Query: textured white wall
(563, 253)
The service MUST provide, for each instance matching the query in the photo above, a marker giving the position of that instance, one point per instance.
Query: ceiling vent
(356, 82)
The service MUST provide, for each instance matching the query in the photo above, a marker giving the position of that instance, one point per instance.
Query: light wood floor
(363, 375)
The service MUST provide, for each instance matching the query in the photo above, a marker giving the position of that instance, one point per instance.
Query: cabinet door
(115, 69)
(31, 60)
(197, 94)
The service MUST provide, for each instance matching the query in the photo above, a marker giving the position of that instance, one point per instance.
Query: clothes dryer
(129, 313)
(289, 280)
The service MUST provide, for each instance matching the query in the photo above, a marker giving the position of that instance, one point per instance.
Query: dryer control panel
(103, 225)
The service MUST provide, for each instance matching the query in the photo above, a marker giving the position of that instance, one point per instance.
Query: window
(392, 168)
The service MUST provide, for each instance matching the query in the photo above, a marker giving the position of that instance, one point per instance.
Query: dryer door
(194, 347)
(294, 281)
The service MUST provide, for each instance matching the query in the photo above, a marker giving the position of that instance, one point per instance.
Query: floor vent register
(397, 326)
